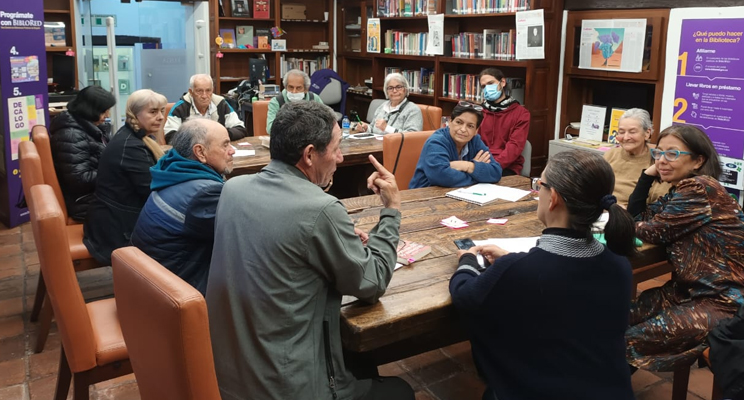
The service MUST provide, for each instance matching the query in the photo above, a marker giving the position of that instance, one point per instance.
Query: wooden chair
(166, 329)
(31, 175)
(400, 154)
(93, 348)
(681, 379)
(40, 137)
(260, 113)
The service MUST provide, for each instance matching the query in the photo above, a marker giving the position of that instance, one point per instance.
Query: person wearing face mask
(633, 156)
(702, 228)
(296, 87)
(201, 102)
(506, 123)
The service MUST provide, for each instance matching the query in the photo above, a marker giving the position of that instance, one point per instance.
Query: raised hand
(382, 182)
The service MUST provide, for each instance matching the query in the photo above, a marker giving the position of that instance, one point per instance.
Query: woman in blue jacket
(456, 156)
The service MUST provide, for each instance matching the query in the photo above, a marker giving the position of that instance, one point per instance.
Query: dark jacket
(121, 191)
(223, 113)
(77, 145)
(176, 226)
(727, 356)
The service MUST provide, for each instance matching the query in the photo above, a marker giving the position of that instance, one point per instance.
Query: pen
(478, 194)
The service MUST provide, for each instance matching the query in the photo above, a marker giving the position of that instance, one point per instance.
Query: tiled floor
(442, 374)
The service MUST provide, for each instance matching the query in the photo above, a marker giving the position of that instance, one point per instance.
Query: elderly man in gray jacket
(284, 254)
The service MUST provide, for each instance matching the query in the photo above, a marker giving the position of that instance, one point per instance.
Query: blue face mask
(492, 92)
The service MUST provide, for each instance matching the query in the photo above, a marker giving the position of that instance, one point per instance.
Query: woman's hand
(380, 124)
(483, 156)
(651, 171)
(491, 252)
(464, 166)
(361, 127)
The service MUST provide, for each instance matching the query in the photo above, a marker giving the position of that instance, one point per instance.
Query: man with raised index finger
(284, 254)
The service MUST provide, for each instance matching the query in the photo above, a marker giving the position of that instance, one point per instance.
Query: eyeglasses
(395, 88)
(670, 155)
(202, 92)
(537, 182)
(468, 104)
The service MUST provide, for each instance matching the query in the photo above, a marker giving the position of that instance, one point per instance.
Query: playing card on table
(454, 222)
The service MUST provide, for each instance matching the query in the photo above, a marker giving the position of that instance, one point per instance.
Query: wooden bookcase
(612, 88)
(540, 76)
(301, 35)
(61, 11)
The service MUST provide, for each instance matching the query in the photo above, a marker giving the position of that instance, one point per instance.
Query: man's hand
(382, 182)
(483, 156)
(491, 252)
(464, 166)
(363, 236)
(380, 124)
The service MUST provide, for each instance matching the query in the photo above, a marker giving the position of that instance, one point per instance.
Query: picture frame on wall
(240, 8)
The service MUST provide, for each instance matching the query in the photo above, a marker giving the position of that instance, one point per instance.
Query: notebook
(484, 193)
(409, 252)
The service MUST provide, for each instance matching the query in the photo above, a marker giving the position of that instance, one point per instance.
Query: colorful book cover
(261, 38)
(262, 9)
(244, 36)
(614, 124)
(228, 38)
(240, 8)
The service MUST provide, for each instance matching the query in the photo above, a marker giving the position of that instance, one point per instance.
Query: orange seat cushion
(107, 334)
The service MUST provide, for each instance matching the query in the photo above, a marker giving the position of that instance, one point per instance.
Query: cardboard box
(293, 11)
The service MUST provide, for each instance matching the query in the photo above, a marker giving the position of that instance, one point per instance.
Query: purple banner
(710, 80)
(23, 91)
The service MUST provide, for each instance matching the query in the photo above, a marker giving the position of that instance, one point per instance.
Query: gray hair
(642, 116)
(296, 72)
(139, 100)
(297, 125)
(197, 77)
(398, 77)
(190, 134)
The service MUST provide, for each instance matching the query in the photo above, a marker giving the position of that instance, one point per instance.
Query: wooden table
(355, 152)
(416, 314)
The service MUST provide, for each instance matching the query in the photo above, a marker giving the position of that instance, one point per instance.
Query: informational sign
(592, 123)
(612, 44)
(23, 91)
(530, 35)
(373, 35)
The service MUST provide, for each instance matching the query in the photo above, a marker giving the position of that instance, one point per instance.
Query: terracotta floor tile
(126, 391)
(9, 273)
(115, 382)
(27, 237)
(43, 364)
(28, 247)
(12, 372)
(11, 326)
(701, 383)
(43, 389)
(661, 391)
(12, 348)
(10, 239)
(430, 367)
(53, 342)
(10, 307)
(463, 386)
(33, 269)
(424, 395)
(17, 392)
(11, 287)
(10, 249)
(12, 261)
(12, 231)
(31, 258)
(643, 379)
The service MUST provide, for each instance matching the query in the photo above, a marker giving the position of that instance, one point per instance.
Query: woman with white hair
(123, 183)
(398, 114)
(633, 156)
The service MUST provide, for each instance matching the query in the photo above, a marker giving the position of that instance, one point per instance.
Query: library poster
(615, 44)
(23, 92)
(373, 35)
(709, 81)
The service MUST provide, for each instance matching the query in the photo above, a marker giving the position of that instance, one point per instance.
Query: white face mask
(295, 96)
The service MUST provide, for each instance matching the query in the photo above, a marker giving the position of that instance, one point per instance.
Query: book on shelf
(307, 65)
(54, 34)
(408, 43)
(244, 36)
(261, 38)
(240, 8)
(261, 9)
(406, 8)
(409, 252)
(421, 80)
(467, 87)
(465, 7)
(490, 44)
(228, 38)
(484, 193)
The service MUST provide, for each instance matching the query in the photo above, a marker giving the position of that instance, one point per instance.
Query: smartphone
(363, 135)
(464, 244)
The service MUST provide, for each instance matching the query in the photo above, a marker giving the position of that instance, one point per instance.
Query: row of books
(467, 87)
(308, 65)
(492, 44)
(462, 7)
(420, 80)
(406, 8)
(408, 43)
(239, 8)
(245, 37)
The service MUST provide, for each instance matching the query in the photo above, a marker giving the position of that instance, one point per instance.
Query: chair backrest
(30, 165)
(408, 145)
(373, 106)
(432, 117)
(52, 245)
(331, 93)
(40, 136)
(527, 154)
(166, 328)
(260, 113)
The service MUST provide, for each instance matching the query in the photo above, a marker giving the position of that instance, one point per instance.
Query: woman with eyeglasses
(702, 228)
(633, 156)
(398, 114)
(455, 156)
(550, 323)
(506, 123)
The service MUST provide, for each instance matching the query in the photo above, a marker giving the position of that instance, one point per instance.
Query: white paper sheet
(592, 123)
(512, 245)
(530, 35)
(244, 153)
(602, 38)
(435, 42)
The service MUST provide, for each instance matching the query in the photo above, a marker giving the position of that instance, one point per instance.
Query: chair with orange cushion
(93, 348)
(166, 329)
(32, 173)
(432, 117)
(40, 137)
(260, 113)
(400, 154)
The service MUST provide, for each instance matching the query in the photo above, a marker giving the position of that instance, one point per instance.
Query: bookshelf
(301, 35)
(612, 88)
(540, 77)
(61, 11)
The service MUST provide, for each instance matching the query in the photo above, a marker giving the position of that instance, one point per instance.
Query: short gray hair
(196, 77)
(297, 125)
(297, 72)
(642, 116)
(190, 134)
(398, 77)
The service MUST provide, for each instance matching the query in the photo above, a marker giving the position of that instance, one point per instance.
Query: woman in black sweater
(550, 323)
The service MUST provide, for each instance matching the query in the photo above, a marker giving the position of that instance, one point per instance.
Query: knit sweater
(406, 117)
(550, 323)
(504, 130)
(627, 169)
